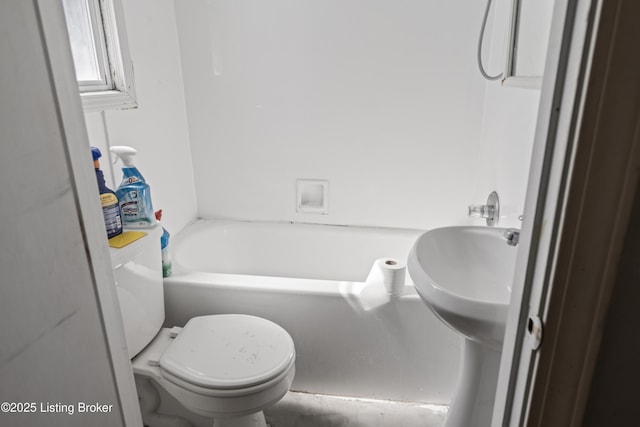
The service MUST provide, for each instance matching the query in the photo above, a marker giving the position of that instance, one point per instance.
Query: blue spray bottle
(133, 193)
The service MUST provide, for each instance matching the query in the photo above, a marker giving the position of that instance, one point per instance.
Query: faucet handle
(490, 211)
(481, 211)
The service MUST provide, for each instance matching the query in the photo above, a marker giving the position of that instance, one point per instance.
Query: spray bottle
(134, 193)
(108, 199)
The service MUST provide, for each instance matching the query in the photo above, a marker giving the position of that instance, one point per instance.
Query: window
(100, 54)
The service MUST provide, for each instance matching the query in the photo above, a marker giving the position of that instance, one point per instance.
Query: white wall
(508, 128)
(398, 121)
(53, 253)
(158, 127)
(380, 98)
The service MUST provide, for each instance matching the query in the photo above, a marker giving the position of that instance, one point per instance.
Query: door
(582, 184)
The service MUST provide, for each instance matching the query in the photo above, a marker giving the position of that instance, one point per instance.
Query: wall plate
(312, 196)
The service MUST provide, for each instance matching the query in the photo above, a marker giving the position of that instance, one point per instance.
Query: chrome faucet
(512, 235)
(490, 211)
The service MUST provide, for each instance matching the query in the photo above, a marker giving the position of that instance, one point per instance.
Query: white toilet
(225, 367)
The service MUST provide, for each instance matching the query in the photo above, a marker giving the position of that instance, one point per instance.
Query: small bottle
(108, 199)
(164, 246)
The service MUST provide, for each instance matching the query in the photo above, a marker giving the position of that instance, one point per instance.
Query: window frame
(110, 38)
(100, 49)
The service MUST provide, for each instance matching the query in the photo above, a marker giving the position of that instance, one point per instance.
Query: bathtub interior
(351, 338)
(308, 251)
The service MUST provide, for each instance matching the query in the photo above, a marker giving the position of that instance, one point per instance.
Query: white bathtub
(351, 338)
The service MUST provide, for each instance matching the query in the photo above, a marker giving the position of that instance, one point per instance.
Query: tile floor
(312, 410)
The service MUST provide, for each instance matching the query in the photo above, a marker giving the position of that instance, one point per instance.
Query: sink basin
(464, 275)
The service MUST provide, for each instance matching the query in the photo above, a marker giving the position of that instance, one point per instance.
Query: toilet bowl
(225, 367)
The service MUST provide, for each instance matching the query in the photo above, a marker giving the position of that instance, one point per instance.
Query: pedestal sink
(464, 275)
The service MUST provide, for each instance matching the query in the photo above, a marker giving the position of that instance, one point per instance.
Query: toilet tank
(138, 274)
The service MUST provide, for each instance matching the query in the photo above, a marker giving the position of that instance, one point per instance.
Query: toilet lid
(229, 351)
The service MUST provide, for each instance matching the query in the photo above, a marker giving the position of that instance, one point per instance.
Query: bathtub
(320, 283)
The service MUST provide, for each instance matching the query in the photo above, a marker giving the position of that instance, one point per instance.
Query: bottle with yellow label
(108, 200)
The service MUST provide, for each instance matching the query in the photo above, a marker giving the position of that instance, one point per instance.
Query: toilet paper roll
(393, 274)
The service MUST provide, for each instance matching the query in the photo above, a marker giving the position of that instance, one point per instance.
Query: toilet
(227, 367)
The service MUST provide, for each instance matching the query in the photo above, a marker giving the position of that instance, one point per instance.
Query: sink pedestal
(472, 403)
(464, 275)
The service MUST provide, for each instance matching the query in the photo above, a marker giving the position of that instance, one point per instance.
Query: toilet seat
(225, 355)
(212, 392)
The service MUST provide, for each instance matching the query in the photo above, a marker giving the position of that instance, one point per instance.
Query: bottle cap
(96, 154)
